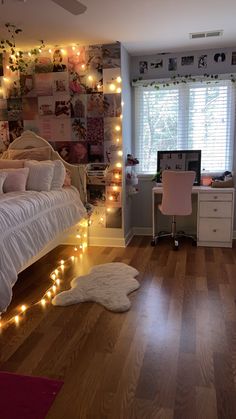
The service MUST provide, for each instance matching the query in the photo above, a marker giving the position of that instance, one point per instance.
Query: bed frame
(29, 140)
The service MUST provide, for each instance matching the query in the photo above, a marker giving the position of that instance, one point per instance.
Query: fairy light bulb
(53, 276)
(40, 51)
(49, 294)
(112, 87)
(118, 79)
(101, 219)
(118, 165)
(62, 262)
(122, 103)
(118, 90)
(75, 249)
(54, 288)
(108, 209)
(120, 153)
(117, 176)
(29, 54)
(78, 236)
(78, 53)
(90, 78)
(73, 48)
(117, 140)
(117, 128)
(58, 281)
(50, 51)
(111, 198)
(23, 308)
(115, 188)
(8, 67)
(43, 302)
(72, 258)
(56, 271)
(85, 235)
(83, 66)
(17, 319)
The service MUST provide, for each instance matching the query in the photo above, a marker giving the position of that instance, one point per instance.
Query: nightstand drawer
(215, 229)
(215, 196)
(215, 209)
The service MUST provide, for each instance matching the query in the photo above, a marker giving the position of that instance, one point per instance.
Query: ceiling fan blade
(72, 6)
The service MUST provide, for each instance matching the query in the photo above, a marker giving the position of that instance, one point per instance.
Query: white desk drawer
(214, 229)
(215, 209)
(214, 196)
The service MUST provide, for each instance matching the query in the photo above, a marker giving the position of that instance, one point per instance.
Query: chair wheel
(175, 245)
(153, 242)
(194, 243)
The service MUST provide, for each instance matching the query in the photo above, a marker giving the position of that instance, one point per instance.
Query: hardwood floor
(173, 355)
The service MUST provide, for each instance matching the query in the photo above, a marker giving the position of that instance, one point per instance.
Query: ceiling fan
(72, 6)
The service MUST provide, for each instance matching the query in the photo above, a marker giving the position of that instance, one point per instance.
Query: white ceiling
(143, 26)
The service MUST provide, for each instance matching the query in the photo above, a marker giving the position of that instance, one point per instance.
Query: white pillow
(2, 179)
(58, 175)
(40, 175)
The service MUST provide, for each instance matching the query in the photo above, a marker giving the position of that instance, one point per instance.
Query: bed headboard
(29, 140)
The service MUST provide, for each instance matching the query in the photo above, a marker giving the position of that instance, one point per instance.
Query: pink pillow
(16, 179)
(11, 164)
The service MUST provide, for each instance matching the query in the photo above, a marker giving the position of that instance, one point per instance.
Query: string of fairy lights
(55, 277)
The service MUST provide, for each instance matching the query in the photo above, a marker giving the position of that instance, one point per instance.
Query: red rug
(24, 397)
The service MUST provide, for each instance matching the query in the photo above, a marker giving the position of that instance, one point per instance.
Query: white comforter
(28, 222)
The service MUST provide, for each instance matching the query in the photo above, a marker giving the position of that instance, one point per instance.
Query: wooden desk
(215, 215)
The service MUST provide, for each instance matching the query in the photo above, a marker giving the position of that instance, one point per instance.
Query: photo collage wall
(71, 97)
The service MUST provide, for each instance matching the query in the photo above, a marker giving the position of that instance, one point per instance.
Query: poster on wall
(111, 55)
(46, 106)
(95, 130)
(64, 149)
(77, 83)
(27, 83)
(61, 129)
(76, 60)
(78, 126)
(96, 152)
(46, 128)
(188, 60)
(172, 66)
(98, 217)
(114, 217)
(78, 106)
(113, 196)
(44, 63)
(112, 104)
(94, 59)
(110, 76)
(30, 107)
(110, 151)
(202, 61)
(15, 129)
(60, 84)
(95, 105)
(1, 65)
(156, 64)
(33, 125)
(14, 107)
(233, 60)
(219, 57)
(112, 129)
(78, 152)
(62, 106)
(59, 60)
(3, 110)
(43, 84)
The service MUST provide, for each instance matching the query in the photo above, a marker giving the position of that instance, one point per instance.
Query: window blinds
(197, 115)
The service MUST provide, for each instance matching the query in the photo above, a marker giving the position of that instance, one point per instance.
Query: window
(197, 115)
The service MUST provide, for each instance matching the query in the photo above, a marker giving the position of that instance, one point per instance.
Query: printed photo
(61, 129)
(78, 126)
(27, 85)
(114, 217)
(43, 84)
(96, 195)
(62, 107)
(78, 152)
(112, 129)
(112, 104)
(96, 152)
(94, 58)
(3, 110)
(77, 83)
(15, 129)
(172, 64)
(157, 64)
(60, 83)
(64, 149)
(233, 60)
(59, 61)
(143, 67)
(76, 61)
(219, 57)
(202, 61)
(46, 106)
(95, 105)
(188, 60)
(110, 151)
(113, 196)
(44, 63)
(30, 107)
(95, 130)
(111, 55)
(46, 128)
(78, 106)
(14, 107)
(33, 125)
(110, 76)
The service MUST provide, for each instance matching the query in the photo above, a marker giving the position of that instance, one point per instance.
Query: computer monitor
(180, 160)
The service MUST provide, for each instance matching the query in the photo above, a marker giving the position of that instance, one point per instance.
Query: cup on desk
(206, 180)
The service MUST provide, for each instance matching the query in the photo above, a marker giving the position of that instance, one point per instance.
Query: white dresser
(215, 215)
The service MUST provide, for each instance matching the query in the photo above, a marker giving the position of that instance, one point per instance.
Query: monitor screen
(180, 160)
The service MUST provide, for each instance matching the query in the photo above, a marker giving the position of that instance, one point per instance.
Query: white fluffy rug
(107, 284)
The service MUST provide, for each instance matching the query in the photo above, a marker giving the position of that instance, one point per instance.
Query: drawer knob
(214, 230)
(215, 209)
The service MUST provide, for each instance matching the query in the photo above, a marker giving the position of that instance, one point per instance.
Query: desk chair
(176, 200)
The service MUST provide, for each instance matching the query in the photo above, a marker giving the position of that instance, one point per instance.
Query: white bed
(32, 223)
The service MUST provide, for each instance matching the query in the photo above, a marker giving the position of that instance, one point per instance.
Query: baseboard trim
(234, 234)
(142, 231)
(129, 237)
(107, 241)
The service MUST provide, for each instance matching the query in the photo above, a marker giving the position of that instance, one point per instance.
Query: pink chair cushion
(177, 191)
(11, 164)
(16, 179)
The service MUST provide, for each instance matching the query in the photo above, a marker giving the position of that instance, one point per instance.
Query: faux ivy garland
(177, 79)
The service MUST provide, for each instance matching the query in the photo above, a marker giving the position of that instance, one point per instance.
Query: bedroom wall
(157, 67)
(72, 98)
